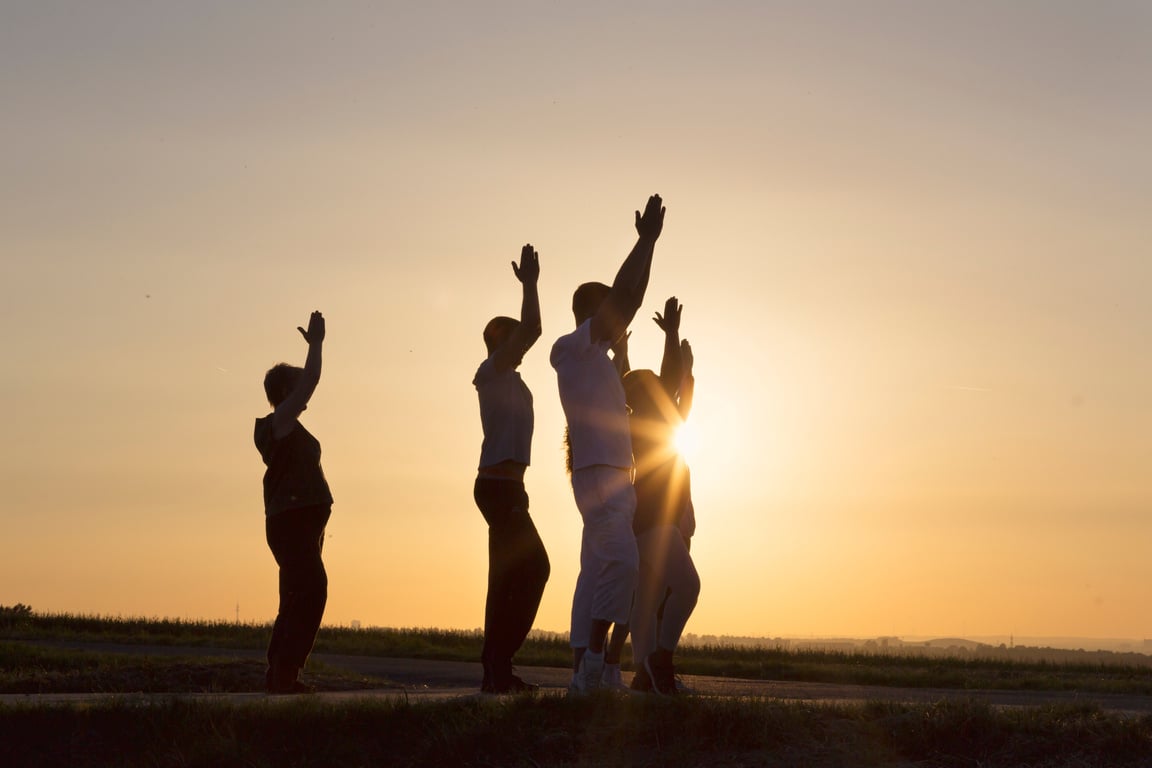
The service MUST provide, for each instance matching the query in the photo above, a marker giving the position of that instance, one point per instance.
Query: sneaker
(662, 673)
(612, 679)
(682, 687)
(588, 676)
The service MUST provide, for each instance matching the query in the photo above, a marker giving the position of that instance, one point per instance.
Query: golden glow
(911, 255)
(685, 442)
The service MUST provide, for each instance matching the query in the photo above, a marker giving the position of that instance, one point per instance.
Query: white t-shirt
(505, 414)
(593, 400)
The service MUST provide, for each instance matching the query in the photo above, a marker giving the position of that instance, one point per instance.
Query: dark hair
(279, 382)
(497, 331)
(645, 395)
(587, 298)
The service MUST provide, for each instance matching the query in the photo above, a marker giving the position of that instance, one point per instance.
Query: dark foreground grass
(553, 731)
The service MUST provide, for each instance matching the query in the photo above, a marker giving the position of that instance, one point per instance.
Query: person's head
(587, 299)
(647, 399)
(280, 381)
(653, 416)
(497, 332)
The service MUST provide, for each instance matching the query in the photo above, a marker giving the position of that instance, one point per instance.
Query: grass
(28, 668)
(538, 731)
(529, 730)
(1078, 671)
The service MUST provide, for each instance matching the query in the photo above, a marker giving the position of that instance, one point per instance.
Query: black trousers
(296, 538)
(518, 569)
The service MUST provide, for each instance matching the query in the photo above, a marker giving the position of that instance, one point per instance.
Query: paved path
(420, 679)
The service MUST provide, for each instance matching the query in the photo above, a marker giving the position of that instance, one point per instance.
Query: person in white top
(518, 566)
(600, 448)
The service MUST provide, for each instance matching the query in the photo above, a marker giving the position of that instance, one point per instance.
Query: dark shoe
(641, 681)
(282, 679)
(294, 687)
(514, 685)
(662, 672)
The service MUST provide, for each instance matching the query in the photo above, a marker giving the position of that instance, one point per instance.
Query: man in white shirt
(601, 449)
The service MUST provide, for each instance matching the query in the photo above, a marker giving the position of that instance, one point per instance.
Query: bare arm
(670, 365)
(285, 415)
(509, 354)
(687, 381)
(620, 355)
(627, 292)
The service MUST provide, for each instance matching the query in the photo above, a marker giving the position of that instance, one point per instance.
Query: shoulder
(574, 343)
(486, 372)
(262, 430)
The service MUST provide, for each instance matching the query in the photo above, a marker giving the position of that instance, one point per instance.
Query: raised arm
(627, 293)
(620, 355)
(285, 415)
(687, 380)
(509, 354)
(670, 365)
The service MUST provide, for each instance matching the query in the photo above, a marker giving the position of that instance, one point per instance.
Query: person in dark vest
(518, 566)
(297, 504)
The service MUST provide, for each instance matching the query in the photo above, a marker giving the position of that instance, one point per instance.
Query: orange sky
(912, 243)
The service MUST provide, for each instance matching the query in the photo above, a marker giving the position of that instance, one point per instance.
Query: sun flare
(685, 441)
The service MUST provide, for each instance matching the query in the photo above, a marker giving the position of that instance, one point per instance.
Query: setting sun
(685, 441)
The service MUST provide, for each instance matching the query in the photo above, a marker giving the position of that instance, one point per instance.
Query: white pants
(609, 560)
(664, 564)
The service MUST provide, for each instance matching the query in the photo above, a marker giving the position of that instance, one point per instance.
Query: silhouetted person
(668, 578)
(518, 565)
(297, 504)
(601, 449)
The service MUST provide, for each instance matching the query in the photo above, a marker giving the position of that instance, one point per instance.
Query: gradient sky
(912, 240)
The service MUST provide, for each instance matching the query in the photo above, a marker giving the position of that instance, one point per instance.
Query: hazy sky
(912, 240)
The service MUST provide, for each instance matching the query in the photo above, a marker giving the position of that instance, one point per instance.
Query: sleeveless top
(293, 477)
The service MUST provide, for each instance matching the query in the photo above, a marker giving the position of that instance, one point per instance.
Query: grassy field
(1078, 671)
(605, 730)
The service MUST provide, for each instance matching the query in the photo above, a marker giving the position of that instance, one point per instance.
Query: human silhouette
(297, 504)
(592, 397)
(518, 565)
(668, 580)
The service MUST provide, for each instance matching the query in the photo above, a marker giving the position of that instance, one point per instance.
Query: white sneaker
(612, 679)
(588, 676)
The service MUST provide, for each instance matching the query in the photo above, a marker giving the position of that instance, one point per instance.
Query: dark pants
(518, 569)
(296, 538)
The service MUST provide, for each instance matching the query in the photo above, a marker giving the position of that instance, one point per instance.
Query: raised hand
(315, 332)
(651, 222)
(669, 322)
(686, 358)
(528, 272)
